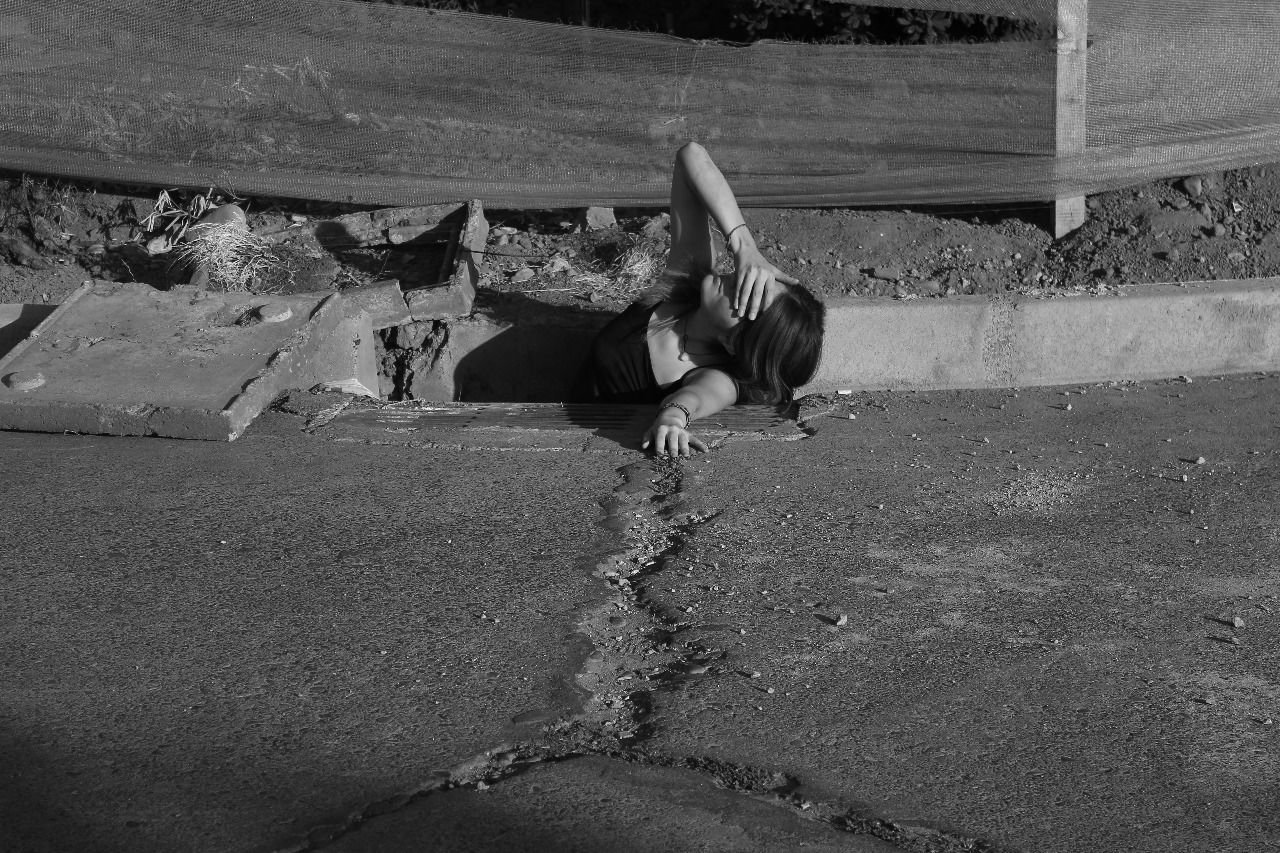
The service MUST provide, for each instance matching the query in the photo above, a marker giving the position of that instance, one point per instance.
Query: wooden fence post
(1069, 109)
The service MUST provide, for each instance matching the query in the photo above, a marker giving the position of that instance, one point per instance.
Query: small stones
(1193, 186)
(598, 218)
(557, 264)
(1237, 622)
(886, 273)
(522, 275)
(657, 226)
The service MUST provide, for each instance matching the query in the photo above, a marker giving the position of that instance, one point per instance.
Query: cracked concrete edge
(652, 515)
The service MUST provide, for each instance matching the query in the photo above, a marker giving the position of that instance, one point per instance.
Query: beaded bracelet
(688, 415)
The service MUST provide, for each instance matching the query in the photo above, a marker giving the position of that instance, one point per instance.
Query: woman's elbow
(689, 152)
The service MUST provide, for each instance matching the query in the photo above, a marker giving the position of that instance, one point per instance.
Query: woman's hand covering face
(757, 282)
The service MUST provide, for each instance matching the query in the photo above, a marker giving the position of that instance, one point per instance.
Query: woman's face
(718, 293)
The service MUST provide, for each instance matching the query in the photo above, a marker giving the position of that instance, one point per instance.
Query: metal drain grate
(553, 416)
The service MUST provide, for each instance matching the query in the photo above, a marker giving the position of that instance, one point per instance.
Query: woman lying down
(701, 341)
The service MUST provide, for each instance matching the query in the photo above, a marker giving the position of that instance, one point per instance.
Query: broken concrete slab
(351, 369)
(125, 359)
(455, 296)
(399, 224)
(383, 301)
(445, 302)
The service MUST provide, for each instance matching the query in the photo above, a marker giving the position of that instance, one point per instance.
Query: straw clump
(231, 256)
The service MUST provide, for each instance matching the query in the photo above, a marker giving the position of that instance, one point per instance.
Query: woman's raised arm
(699, 189)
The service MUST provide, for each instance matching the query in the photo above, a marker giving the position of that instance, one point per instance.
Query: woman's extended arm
(698, 188)
(705, 391)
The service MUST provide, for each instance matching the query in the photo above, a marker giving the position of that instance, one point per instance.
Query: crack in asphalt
(637, 652)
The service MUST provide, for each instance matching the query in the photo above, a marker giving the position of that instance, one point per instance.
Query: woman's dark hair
(776, 352)
(779, 350)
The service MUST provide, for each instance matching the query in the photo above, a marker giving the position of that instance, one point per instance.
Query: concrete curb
(1142, 332)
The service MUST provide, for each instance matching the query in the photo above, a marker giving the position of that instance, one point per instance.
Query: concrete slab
(451, 290)
(129, 360)
(383, 301)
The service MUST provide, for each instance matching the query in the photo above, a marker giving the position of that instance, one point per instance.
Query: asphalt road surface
(1043, 620)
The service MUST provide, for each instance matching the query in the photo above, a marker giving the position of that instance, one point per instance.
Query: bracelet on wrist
(688, 416)
(730, 234)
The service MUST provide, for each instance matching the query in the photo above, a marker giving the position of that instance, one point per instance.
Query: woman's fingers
(672, 441)
(755, 283)
(757, 298)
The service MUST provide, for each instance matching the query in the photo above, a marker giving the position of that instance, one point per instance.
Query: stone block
(383, 301)
(598, 218)
(350, 363)
(443, 302)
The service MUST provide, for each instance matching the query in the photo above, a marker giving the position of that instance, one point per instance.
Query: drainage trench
(636, 651)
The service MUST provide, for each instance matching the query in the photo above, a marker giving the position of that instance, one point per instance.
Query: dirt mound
(55, 234)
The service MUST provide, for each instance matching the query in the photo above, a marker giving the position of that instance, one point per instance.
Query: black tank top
(619, 369)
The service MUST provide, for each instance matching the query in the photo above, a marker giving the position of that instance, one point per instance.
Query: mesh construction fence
(383, 104)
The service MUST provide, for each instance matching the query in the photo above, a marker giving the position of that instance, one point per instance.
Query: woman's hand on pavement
(671, 439)
(755, 276)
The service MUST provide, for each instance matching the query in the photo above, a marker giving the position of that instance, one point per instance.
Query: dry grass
(636, 268)
(233, 256)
